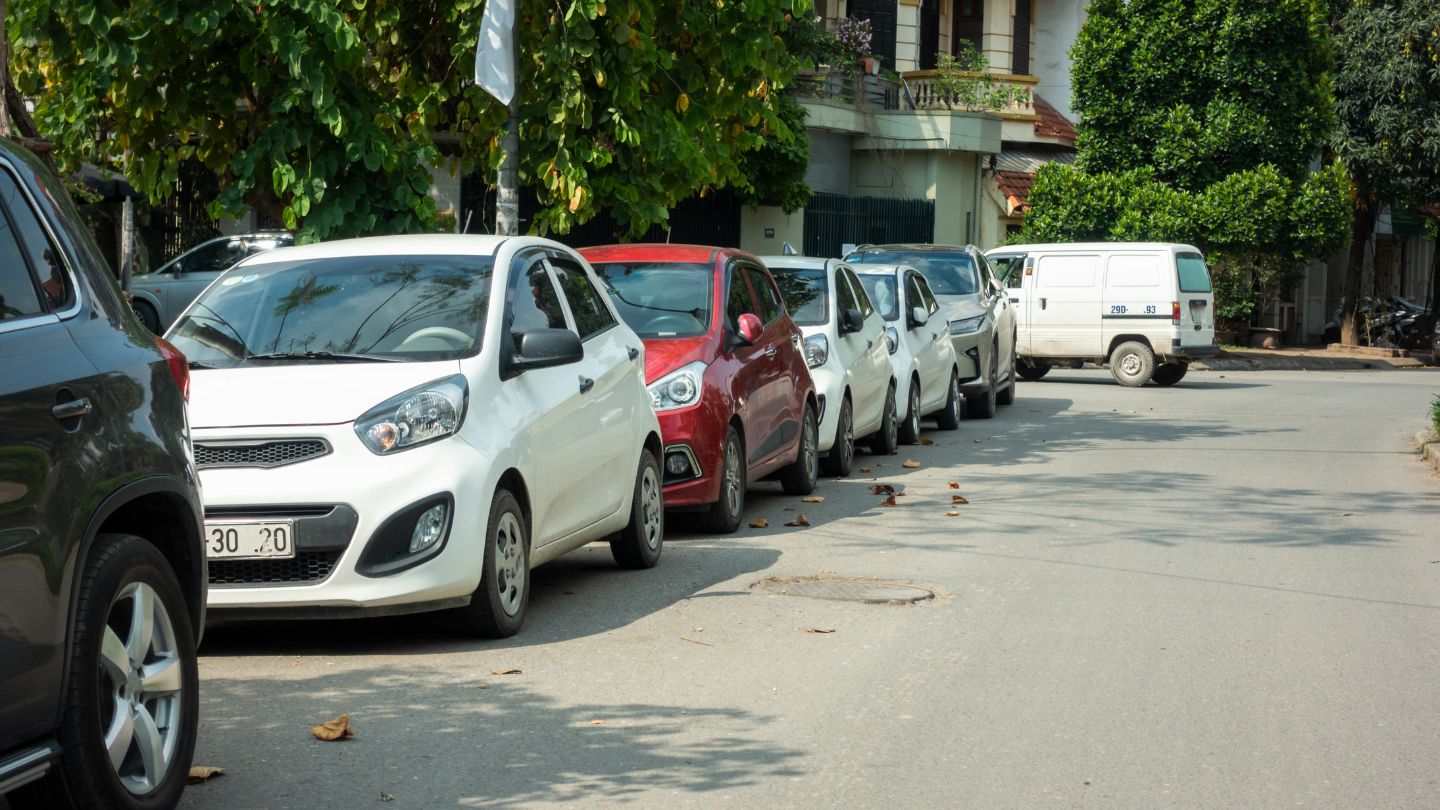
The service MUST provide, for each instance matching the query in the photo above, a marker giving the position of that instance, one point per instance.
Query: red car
(725, 370)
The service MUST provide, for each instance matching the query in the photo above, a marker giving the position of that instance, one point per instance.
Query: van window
(1007, 267)
(1194, 275)
(1066, 271)
(1133, 271)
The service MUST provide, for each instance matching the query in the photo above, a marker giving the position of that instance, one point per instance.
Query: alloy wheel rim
(142, 679)
(651, 506)
(913, 417)
(955, 396)
(732, 479)
(847, 450)
(807, 447)
(890, 427)
(510, 563)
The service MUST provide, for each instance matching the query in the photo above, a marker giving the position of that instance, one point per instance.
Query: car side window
(214, 258)
(765, 294)
(865, 308)
(845, 294)
(533, 302)
(913, 296)
(987, 273)
(737, 298)
(56, 291)
(18, 294)
(591, 315)
(931, 305)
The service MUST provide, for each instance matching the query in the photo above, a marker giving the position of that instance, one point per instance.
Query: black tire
(723, 516)
(801, 475)
(122, 572)
(497, 608)
(1031, 370)
(909, 432)
(1007, 394)
(842, 453)
(1170, 373)
(638, 545)
(949, 417)
(886, 439)
(147, 315)
(1132, 364)
(983, 406)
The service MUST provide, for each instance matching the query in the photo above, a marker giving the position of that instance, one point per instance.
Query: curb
(1427, 444)
(1298, 362)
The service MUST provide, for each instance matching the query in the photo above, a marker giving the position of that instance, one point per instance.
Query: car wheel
(1170, 373)
(1132, 364)
(1007, 394)
(147, 315)
(949, 417)
(497, 609)
(910, 428)
(1031, 370)
(129, 726)
(723, 516)
(638, 544)
(983, 406)
(886, 439)
(837, 461)
(800, 477)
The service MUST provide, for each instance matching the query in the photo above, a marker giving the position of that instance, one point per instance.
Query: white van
(1144, 308)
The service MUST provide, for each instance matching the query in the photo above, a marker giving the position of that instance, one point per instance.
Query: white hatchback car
(410, 423)
(921, 352)
(845, 350)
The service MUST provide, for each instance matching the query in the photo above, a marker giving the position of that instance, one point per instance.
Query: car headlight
(966, 325)
(892, 339)
(817, 351)
(419, 416)
(678, 389)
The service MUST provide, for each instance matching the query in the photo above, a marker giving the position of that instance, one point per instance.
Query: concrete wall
(907, 35)
(445, 191)
(765, 230)
(1057, 23)
(829, 167)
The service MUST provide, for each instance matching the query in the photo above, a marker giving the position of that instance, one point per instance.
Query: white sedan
(921, 352)
(845, 349)
(413, 423)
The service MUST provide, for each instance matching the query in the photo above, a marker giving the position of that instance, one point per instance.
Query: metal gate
(834, 220)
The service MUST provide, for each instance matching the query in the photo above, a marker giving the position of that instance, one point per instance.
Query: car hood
(301, 393)
(960, 307)
(664, 355)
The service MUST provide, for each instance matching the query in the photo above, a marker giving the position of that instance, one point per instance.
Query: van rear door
(1197, 300)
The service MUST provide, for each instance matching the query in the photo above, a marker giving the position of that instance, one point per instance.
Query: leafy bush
(1435, 413)
(963, 81)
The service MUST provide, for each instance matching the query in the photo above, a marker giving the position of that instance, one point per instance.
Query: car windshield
(415, 308)
(881, 290)
(661, 299)
(805, 294)
(949, 273)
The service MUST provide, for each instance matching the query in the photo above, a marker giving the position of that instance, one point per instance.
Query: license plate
(231, 540)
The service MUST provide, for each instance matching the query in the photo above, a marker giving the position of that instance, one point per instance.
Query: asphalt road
(1224, 594)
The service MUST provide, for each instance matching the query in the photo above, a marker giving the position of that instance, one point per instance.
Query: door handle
(74, 409)
(634, 352)
(586, 384)
(1042, 303)
(770, 351)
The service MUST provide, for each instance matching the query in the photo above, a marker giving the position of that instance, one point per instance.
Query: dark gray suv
(102, 568)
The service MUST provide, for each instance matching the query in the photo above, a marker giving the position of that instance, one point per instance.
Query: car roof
(433, 244)
(881, 269)
(797, 262)
(1091, 246)
(656, 251)
(915, 246)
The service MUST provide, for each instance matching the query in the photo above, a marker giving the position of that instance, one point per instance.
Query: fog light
(677, 464)
(428, 529)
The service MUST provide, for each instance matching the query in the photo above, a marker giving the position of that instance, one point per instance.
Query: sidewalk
(1293, 358)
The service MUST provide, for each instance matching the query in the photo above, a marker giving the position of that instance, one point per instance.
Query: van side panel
(1063, 304)
(1138, 299)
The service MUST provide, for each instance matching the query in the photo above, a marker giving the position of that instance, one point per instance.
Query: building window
(1020, 46)
(968, 24)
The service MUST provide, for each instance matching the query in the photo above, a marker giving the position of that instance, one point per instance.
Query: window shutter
(1020, 47)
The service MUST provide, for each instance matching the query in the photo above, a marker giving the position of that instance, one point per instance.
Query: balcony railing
(849, 89)
(1011, 95)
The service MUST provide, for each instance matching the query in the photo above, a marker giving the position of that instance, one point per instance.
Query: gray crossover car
(159, 296)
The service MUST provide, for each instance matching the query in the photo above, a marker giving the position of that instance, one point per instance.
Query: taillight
(180, 367)
(1175, 312)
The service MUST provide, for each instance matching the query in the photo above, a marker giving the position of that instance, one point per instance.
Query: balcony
(927, 91)
(884, 113)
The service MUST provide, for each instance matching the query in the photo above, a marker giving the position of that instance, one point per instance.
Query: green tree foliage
(327, 114)
(1199, 123)
(1387, 90)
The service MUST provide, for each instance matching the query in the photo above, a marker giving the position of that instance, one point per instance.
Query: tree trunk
(1361, 229)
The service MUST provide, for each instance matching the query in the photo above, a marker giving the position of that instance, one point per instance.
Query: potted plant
(855, 36)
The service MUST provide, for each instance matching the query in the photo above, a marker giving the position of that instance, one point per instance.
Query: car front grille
(306, 566)
(276, 453)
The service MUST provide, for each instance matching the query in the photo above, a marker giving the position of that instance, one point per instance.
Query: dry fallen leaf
(386, 797)
(927, 442)
(798, 521)
(813, 499)
(597, 722)
(864, 469)
(818, 629)
(336, 728)
(911, 463)
(759, 523)
(958, 499)
(200, 773)
(882, 489)
(952, 514)
(954, 484)
(978, 441)
(890, 501)
(511, 671)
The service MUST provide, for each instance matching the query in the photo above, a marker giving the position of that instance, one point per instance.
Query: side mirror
(851, 321)
(544, 348)
(750, 329)
(918, 317)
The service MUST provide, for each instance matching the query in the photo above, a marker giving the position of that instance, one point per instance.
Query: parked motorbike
(1391, 323)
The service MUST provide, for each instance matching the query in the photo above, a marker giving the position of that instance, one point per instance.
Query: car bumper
(830, 390)
(701, 440)
(341, 504)
(970, 358)
(1179, 351)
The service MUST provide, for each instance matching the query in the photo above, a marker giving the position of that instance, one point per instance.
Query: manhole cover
(867, 591)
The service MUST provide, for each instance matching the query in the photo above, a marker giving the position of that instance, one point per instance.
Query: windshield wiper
(337, 356)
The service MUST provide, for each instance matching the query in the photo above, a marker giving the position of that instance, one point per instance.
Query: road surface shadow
(439, 738)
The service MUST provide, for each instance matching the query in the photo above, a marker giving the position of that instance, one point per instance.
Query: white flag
(495, 52)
